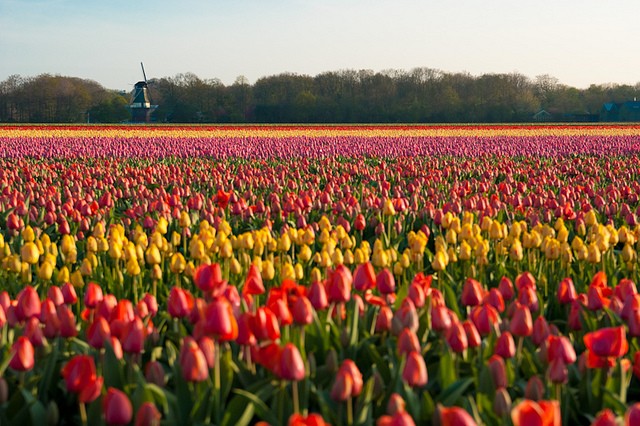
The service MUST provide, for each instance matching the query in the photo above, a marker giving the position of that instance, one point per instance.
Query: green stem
(296, 397)
(350, 411)
(83, 414)
(216, 382)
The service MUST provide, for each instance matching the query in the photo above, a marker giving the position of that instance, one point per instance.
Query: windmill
(140, 104)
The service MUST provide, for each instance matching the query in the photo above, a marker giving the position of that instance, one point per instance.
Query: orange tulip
(541, 413)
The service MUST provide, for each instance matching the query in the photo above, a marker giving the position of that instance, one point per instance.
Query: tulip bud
(502, 402)
(53, 413)
(148, 415)
(117, 407)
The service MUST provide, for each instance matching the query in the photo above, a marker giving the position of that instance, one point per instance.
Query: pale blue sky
(578, 42)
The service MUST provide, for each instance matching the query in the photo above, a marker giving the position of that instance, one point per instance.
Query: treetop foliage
(420, 95)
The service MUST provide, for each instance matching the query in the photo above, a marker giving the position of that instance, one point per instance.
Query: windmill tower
(140, 104)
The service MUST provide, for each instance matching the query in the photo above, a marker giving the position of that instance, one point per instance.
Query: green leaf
(238, 412)
(47, 375)
(113, 368)
(447, 370)
(450, 395)
(260, 407)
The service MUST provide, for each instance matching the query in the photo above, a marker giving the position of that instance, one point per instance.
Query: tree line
(420, 95)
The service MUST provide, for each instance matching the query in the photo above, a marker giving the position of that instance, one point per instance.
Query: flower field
(310, 275)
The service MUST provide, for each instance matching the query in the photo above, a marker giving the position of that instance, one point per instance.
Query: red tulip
(605, 418)
(92, 295)
(55, 294)
(80, 377)
(566, 291)
(253, 283)
(291, 364)
(473, 336)
(557, 371)
(148, 415)
(67, 321)
(28, 304)
(472, 293)
(152, 304)
(383, 320)
(506, 288)
(498, 371)
(117, 407)
(208, 278)
(440, 319)
(339, 285)
(457, 337)
(560, 347)
(22, 355)
(407, 342)
(220, 321)
(525, 279)
(264, 325)
(192, 361)
(133, 336)
(605, 345)
(415, 370)
(208, 348)
(364, 277)
(342, 388)
(69, 294)
(318, 296)
(540, 331)
(453, 416)
(485, 318)
(531, 413)
(495, 299)
(154, 373)
(385, 282)
(401, 418)
(302, 311)
(245, 334)
(632, 416)
(98, 331)
(521, 324)
(179, 303)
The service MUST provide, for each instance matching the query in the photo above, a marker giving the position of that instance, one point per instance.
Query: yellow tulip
(76, 279)
(388, 209)
(235, 267)
(28, 235)
(185, 220)
(29, 253)
(133, 268)
(440, 260)
(98, 230)
(161, 226)
(63, 275)
(515, 252)
(152, 255)
(465, 251)
(85, 267)
(226, 251)
(45, 271)
(593, 253)
(299, 271)
(288, 272)
(268, 271)
(628, 253)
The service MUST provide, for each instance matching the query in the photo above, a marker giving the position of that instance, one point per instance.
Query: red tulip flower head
(117, 408)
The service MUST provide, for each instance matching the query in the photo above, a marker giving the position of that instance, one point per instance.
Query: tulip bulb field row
(292, 275)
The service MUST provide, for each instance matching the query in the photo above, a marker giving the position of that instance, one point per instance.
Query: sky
(579, 42)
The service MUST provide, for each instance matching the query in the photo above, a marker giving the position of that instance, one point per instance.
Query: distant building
(621, 111)
(542, 116)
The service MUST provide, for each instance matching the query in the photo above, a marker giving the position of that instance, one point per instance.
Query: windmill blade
(143, 73)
